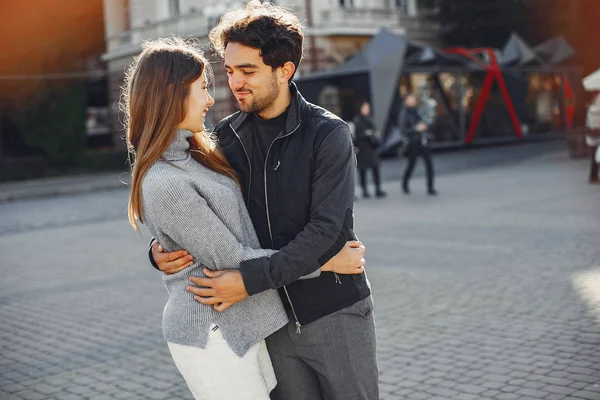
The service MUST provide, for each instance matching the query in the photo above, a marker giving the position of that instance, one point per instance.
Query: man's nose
(235, 82)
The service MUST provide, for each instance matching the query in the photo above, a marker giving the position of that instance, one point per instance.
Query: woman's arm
(185, 217)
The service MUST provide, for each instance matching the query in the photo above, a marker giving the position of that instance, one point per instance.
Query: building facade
(334, 29)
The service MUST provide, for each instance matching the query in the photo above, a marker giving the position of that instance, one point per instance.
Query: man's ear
(286, 71)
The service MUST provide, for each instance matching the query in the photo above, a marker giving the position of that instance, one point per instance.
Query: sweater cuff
(254, 275)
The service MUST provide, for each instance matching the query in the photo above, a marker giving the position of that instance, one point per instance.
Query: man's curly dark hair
(276, 32)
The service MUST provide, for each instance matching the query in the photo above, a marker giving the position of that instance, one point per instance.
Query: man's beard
(264, 101)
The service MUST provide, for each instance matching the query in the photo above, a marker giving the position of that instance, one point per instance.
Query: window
(402, 6)
(173, 8)
(346, 3)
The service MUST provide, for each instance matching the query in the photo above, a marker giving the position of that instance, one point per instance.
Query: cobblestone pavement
(489, 291)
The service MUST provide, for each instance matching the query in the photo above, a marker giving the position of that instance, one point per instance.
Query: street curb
(56, 187)
(79, 184)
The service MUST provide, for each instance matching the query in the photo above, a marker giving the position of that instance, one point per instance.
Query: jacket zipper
(249, 166)
(298, 325)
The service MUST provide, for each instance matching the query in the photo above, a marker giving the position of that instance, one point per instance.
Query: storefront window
(543, 105)
(438, 98)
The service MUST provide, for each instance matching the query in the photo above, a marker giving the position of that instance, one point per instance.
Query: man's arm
(324, 235)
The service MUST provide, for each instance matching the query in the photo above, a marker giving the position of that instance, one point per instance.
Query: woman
(188, 196)
(367, 144)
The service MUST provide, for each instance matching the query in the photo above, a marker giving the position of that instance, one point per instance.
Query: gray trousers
(332, 359)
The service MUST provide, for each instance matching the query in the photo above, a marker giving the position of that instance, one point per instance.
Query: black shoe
(366, 195)
(380, 193)
(432, 192)
(406, 190)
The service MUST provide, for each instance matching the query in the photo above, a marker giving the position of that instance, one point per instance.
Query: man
(412, 125)
(296, 164)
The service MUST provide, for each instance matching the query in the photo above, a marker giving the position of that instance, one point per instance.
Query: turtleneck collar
(179, 146)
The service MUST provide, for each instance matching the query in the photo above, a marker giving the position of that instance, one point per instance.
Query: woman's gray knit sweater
(187, 206)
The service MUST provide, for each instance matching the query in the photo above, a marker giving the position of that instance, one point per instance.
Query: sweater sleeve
(185, 217)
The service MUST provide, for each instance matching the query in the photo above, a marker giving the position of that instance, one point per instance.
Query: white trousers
(217, 373)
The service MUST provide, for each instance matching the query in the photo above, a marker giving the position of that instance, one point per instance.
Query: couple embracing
(253, 222)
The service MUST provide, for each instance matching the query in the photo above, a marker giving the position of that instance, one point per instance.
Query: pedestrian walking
(367, 142)
(411, 124)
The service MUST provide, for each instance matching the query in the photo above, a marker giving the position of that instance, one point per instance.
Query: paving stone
(591, 388)
(555, 397)
(532, 385)
(130, 386)
(442, 392)
(582, 371)
(470, 389)
(14, 388)
(104, 387)
(578, 385)
(31, 395)
(496, 378)
(66, 396)
(586, 395)
(491, 393)
(387, 388)
(417, 396)
(558, 374)
(158, 395)
(56, 381)
(563, 390)
(556, 381)
(583, 378)
(537, 394)
(46, 389)
(79, 390)
(464, 396)
(507, 396)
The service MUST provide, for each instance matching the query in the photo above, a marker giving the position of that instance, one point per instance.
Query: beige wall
(143, 11)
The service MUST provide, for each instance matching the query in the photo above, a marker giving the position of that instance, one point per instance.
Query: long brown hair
(153, 98)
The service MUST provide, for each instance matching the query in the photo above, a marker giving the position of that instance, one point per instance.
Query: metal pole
(460, 96)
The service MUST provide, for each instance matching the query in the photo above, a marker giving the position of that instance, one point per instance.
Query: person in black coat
(366, 145)
(412, 125)
(593, 136)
